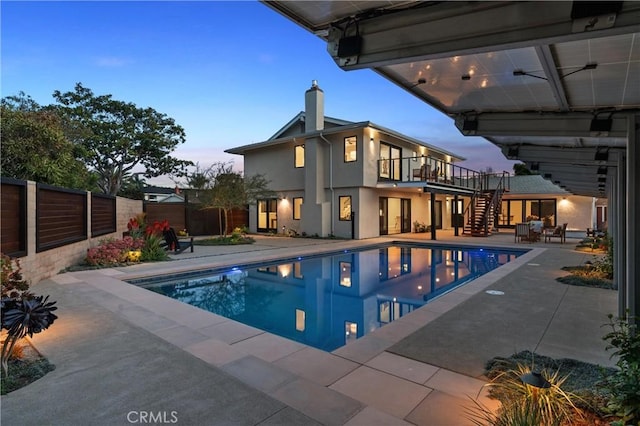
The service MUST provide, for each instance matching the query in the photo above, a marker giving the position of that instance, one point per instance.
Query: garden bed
(27, 366)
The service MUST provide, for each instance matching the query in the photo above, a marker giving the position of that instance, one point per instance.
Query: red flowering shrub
(157, 228)
(137, 225)
(142, 237)
(112, 252)
(153, 249)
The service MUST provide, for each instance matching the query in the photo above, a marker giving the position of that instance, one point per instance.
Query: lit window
(297, 205)
(345, 207)
(299, 156)
(350, 331)
(345, 274)
(350, 149)
(297, 270)
(300, 320)
(385, 312)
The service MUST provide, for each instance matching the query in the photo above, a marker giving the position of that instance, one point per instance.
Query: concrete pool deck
(124, 354)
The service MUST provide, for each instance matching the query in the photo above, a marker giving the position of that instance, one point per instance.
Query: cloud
(111, 61)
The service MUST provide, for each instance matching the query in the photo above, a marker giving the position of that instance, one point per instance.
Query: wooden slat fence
(191, 217)
(13, 217)
(61, 217)
(103, 214)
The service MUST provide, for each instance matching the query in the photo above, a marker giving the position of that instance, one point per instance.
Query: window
(297, 270)
(345, 207)
(350, 149)
(350, 331)
(297, 205)
(299, 156)
(389, 167)
(300, 320)
(267, 215)
(345, 274)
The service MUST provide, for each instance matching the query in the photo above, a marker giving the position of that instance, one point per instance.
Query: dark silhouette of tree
(35, 148)
(114, 136)
(520, 169)
(227, 190)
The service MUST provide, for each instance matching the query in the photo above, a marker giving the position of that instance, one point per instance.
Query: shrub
(548, 406)
(137, 225)
(153, 250)
(22, 313)
(13, 285)
(111, 252)
(624, 385)
(142, 238)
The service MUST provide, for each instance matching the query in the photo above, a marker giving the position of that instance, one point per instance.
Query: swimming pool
(327, 301)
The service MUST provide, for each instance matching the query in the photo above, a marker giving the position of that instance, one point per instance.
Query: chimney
(314, 108)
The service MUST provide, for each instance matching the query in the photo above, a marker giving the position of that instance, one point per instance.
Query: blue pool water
(327, 301)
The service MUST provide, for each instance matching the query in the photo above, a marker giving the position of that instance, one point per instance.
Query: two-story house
(353, 179)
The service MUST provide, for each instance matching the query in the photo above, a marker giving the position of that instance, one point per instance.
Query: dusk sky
(230, 73)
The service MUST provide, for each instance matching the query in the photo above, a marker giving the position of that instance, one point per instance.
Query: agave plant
(24, 317)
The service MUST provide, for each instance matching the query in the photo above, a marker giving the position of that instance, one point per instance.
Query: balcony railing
(429, 169)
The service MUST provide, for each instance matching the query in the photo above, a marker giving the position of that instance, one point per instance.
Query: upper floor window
(297, 205)
(298, 156)
(350, 149)
(390, 157)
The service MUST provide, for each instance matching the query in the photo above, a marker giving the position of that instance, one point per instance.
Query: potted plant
(419, 226)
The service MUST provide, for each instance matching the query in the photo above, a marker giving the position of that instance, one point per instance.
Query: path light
(536, 381)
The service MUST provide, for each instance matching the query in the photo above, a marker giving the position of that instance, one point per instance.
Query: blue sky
(230, 73)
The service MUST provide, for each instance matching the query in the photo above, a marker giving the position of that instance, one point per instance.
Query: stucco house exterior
(535, 196)
(360, 180)
(351, 179)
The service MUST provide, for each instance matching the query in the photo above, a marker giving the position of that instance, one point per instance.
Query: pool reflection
(329, 301)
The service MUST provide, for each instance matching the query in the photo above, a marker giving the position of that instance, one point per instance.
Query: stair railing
(490, 212)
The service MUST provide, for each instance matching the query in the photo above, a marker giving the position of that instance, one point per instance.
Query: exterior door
(384, 213)
(267, 215)
(457, 213)
(406, 215)
(438, 218)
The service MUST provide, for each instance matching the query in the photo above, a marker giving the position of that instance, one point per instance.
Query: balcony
(430, 171)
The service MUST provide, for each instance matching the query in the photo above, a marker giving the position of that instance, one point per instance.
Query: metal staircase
(482, 211)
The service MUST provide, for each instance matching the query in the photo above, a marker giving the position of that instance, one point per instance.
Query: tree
(132, 186)
(34, 146)
(520, 169)
(199, 178)
(116, 136)
(228, 189)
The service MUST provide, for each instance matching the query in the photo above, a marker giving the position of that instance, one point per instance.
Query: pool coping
(272, 364)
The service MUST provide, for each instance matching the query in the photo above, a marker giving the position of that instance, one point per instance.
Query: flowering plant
(144, 243)
(112, 252)
(137, 225)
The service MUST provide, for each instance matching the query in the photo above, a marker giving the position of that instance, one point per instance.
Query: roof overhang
(562, 74)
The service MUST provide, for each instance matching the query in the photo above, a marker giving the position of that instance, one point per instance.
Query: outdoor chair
(558, 232)
(522, 232)
(175, 244)
(422, 172)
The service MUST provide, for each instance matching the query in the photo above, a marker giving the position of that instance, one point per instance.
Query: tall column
(633, 213)
(615, 215)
